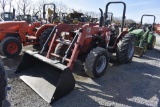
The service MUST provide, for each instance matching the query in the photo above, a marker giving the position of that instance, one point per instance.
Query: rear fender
(2, 35)
(13, 27)
(42, 28)
(9, 34)
(119, 37)
(5, 32)
(32, 27)
(16, 35)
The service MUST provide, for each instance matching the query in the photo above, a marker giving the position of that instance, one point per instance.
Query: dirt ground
(123, 85)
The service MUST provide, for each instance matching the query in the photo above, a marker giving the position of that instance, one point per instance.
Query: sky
(134, 10)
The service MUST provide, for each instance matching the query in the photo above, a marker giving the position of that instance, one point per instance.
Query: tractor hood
(137, 31)
(13, 25)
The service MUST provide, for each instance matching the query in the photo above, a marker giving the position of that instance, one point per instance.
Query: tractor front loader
(145, 37)
(56, 78)
(50, 75)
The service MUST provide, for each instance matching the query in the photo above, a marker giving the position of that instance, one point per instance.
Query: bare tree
(18, 7)
(117, 20)
(40, 4)
(24, 6)
(69, 10)
(92, 14)
(3, 4)
(130, 21)
(61, 8)
(10, 4)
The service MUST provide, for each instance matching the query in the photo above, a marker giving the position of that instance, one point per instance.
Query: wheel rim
(12, 47)
(131, 50)
(101, 63)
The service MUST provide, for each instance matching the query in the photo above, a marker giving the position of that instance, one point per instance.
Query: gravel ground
(127, 85)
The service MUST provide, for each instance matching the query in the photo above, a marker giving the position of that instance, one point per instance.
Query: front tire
(10, 47)
(152, 43)
(96, 62)
(125, 48)
(60, 49)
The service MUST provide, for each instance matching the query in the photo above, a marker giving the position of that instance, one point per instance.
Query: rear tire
(10, 47)
(125, 48)
(152, 43)
(96, 62)
(44, 36)
(60, 49)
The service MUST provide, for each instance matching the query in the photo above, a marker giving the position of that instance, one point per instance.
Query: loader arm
(144, 38)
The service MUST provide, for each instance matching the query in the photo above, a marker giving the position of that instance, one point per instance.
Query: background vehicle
(14, 34)
(145, 37)
(8, 16)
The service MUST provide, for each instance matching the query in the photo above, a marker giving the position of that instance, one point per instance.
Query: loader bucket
(50, 79)
(138, 51)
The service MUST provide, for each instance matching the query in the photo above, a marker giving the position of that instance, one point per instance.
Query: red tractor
(15, 34)
(50, 75)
